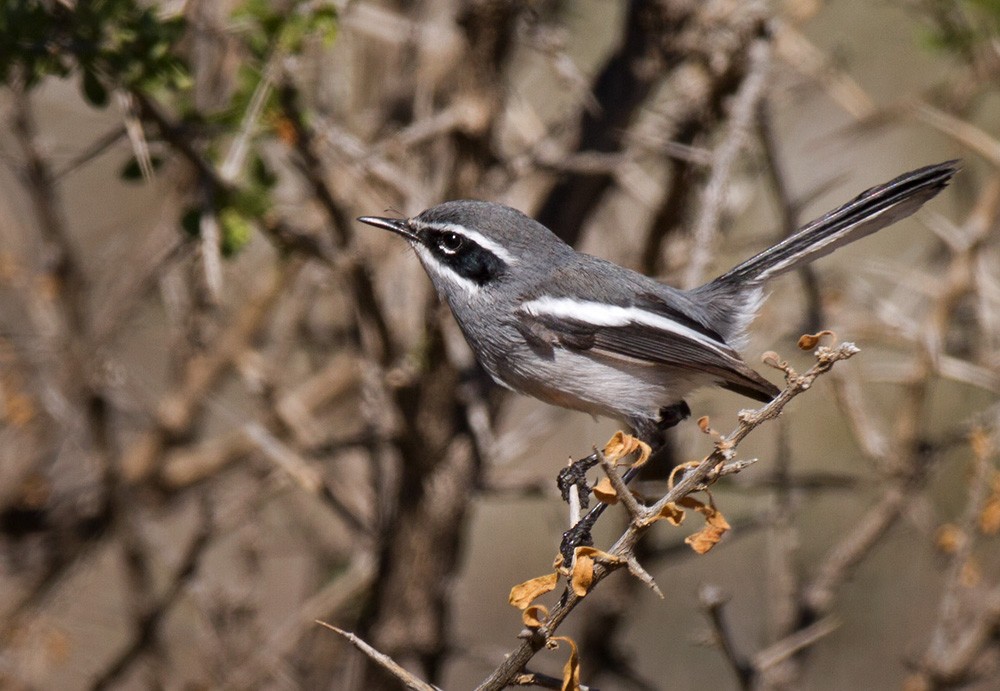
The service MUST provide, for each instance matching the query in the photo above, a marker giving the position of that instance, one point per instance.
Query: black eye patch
(463, 256)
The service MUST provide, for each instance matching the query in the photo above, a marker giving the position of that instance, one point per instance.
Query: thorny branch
(644, 517)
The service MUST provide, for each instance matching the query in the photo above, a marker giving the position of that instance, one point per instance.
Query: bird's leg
(672, 415)
(575, 474)
(579, 535)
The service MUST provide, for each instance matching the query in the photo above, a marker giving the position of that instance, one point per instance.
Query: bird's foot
(575, 475)
(579, 535)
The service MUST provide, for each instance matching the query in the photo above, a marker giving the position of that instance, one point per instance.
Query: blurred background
(228, 410)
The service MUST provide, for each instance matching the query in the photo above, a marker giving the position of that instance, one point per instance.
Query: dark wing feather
(645, 344)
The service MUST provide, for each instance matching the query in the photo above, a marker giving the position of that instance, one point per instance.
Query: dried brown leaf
(771, 359)
(916, 682)
(605, 491)
(535, 616)
(949, 538)
(971, 575)
(989, 517)
(583, 573)
(716, 525)
(622, 445)
(672, 513)
(617, 447)
(981, 443)
(706, 538)
(523, 594)
(598, 555)
(285, 130)
(810, 341)
(571, 670)
(679, 470)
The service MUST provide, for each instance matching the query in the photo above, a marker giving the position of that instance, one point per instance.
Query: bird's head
(473, 247)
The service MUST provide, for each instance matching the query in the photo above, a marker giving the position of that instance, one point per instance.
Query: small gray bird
(583, 333)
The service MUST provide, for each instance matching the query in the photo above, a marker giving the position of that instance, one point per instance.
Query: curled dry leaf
(523, 594)
(571, 670)
(679, 469)
(916, 682)
(810, 341)
(981, 443)
(672, 513)
(989, 517)
(605, 491)
(971, 575)
(771, 359)
(949, 538)
(535, 616)
(598, 555)
(622, 445)
(706, 538)
(716, 525)
(583, 573)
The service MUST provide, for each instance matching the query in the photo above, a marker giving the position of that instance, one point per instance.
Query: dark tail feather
(867, 213)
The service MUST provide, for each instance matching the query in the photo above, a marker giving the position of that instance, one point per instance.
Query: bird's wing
(647, 332)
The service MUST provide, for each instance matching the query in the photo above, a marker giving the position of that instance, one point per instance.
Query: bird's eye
(450, 243)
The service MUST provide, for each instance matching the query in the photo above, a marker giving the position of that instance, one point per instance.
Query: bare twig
(149, 622)
(966, 614)
(713, 600)
(799, 640)
(741, 121)
(384, 661)
(818, 595)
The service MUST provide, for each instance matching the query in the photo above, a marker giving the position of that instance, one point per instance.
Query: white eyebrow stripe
(601, 314)
(490, 245)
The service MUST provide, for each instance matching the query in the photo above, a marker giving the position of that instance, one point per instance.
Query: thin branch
(818, 595)
(957, 641)
(339, 595)
(790, 645)
(788, 213)
(102, 144)
(177, 408)
(713, 600)
(383, 660)
(625, 495)
(305, 475)
(962, 131)
(149, 622)
(742, 118)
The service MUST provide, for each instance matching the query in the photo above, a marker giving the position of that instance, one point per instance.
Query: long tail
(867, 213)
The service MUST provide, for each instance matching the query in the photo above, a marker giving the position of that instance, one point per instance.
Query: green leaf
(261, 174)
(252, 202)
(236, 231)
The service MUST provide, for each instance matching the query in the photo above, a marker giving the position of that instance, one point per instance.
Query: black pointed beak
(399, 226)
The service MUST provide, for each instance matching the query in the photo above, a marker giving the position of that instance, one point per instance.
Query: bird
(583, 333)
